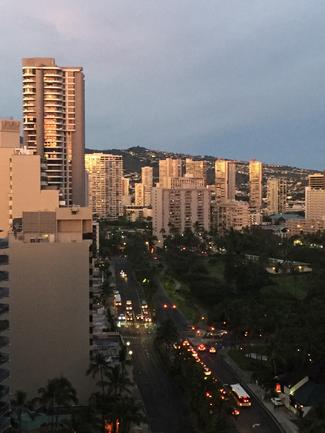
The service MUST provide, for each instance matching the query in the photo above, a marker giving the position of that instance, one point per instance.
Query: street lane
(163, 401)
(254, 415)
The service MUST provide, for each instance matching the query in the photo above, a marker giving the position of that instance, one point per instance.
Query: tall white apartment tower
(54, 123)
(105, 192)
(225, 180)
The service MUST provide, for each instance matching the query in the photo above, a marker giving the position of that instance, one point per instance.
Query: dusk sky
(232, 78)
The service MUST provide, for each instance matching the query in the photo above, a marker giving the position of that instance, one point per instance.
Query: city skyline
(208, 86)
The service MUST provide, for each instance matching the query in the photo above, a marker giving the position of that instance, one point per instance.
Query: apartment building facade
(54, 123)
(105, 190)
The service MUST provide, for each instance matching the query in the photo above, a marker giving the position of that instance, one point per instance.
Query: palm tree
(314, 422)
(58, 393)
(118, 380)
(19, 406)
(98, 366)
(167, 332)
(127, 411)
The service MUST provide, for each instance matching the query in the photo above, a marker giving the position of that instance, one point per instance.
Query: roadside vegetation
(283, 313)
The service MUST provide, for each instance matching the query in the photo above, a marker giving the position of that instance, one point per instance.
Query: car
(123, 274)
(212, 349)
(166, 306)
(207, 371)
(277, 401)
(128, 305)
(201, 347)
(235, 411)
(223, 393)
(121, 317)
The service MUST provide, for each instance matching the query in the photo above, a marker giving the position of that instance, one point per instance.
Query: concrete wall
(49, 314)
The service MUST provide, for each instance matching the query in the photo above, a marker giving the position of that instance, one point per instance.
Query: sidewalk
(282, 416)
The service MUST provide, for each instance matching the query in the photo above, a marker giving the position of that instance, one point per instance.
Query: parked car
(277, 401)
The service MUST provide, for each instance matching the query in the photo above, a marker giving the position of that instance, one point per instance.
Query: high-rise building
(4, 336)
(316, 180)
(197, 169)
(147, 176)
(105, 174)
(232, 214)
(126, 196)
(178, 209)
(54, 123)
(147, 182)
(276, 195)
(9, 133)
(314, 203)
(139, 194)
(169, 168)
(23, 185)
(225, 180)
(49, 283)
(255, 185)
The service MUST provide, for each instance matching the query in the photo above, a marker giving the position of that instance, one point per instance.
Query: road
(256, 415)
(160, 396)
(162, 399)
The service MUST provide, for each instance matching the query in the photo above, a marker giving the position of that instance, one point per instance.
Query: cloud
(230, 78)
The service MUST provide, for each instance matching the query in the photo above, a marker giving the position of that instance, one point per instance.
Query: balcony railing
(3, 259)
(4, 408)
(4, 389)
(4, 341)
(4, 275)
(4, 292)
(4, 325)
(4, 358)
(3, 244)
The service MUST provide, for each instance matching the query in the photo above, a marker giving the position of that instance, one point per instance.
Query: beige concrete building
(49, 279)
(232, 214)
(54, 123)
(139, 194)
(255, 184)
(126, 196)
(196, 169)
(105, 173)
(184, 182)
(177, 209)
(225, 180)
(22, 182)
(276, 195)
(4, 337)
(147, 176)
(134, 212)
(300, 226)
(314, 203)
(9, 133)
(168, 168)
(316, 180)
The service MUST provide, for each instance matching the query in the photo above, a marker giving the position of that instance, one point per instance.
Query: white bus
(240, 395)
